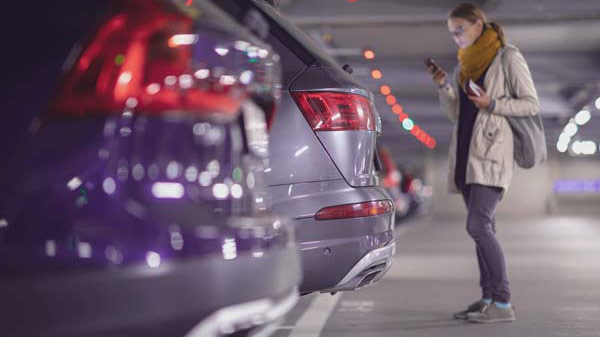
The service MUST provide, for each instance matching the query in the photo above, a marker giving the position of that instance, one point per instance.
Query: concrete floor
(553, 265)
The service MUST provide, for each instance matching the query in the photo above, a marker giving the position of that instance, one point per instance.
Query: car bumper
(176, 299)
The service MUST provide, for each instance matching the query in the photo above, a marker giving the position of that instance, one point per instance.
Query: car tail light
(142, 58)
(336, 111)
(358, 210)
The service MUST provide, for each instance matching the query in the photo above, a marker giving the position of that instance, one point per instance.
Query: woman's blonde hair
(473, 13)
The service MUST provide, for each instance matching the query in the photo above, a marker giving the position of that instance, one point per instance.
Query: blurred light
(369, 54)
(236, 191)
(191, 173)
(173, 170)
(170, 80)
(138, 172)
(113, 255)
(376, 74)
(153, 259)
(570, 129)
(166, 190)
(84, 250)
(125, 78)
(74, 183)
(185, 81)
(408, 124)
(229, 249)
(582, 117)
(390, 99)
(205, 179)
(222, 50)
(227, 80)
(182, 40)
(302, 150)
(177, 240)
(241, 45)
(584, 147)
(109, 186)
(153, 88)
(3, 223)
(214, 168)
(575, 186)
(397, 109)
(246, 77)
(50, 248)
(220, 191)
(562, 146)
(202, 74)
(385, 90)
(258, 254)
(598, 103)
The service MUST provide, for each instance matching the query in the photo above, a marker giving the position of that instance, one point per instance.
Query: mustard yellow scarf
(475, 59)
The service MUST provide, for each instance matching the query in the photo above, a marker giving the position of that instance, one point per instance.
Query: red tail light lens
(334, 111)
(142, 58)
(358, 210)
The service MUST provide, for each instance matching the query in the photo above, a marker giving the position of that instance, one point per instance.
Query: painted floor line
(315, 317)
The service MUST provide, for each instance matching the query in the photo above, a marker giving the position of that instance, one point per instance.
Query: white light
(220, 191)
(170, 80)
(183, 39)
(177, 241)
(153, 259)
(138, 172)
(562, 146)
(202, 74)
(584, 148)
(570, 129)
(131, 102)
(84, 250)
(241, 45)
(252, 52)
(336, 116)
(74, 183)
(153, 88)
(205, 179)
(227, 80)
(408, 124)
(164, 190)
(50, 248)
(582, 117)
(109, 186)
(222, 50)
(246, 76)
(125, 77)
(301, 151)
(214, 168)
(236, 191)
(3, 223)
(263, 53)
(185, 81)
(258, 254)
(598, 103)
(173, 170)
(113, 255)
(191, 173)
(229, 249)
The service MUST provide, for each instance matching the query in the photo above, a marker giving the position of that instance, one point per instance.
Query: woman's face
(463, 32)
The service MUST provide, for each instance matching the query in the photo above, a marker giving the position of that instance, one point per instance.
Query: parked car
(390, 179)
(135, 208)
(322, 161)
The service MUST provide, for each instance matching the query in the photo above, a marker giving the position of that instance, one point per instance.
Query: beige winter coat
(490, 160)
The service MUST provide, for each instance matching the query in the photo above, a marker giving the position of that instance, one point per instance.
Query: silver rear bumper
(368, 270)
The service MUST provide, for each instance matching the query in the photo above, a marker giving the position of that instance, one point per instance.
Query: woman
(481, 151)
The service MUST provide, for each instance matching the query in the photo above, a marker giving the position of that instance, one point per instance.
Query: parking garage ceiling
(560, 40)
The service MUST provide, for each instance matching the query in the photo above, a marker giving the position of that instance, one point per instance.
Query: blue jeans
(481, 204)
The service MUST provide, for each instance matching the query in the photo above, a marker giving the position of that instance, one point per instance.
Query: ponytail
(500, 32)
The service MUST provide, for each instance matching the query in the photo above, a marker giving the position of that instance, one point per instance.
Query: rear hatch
(337, 107)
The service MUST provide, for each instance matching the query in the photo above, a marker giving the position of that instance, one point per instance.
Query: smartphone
(430, 63)
(472, 88)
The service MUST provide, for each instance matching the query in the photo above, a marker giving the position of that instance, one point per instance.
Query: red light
(390, 99)
(369, 54)
(358, 210)
(142, 58)
(385, 90)
(335, 111)
(402, 117)
(376, 74)
(397, 109)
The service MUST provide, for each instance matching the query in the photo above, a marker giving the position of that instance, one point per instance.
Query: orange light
(385, 90)
(390, 99)
(397, 109)
(376, 74)
(369, 54)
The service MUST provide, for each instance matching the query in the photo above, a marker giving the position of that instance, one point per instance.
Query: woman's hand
(439, 76)
(483, 101)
